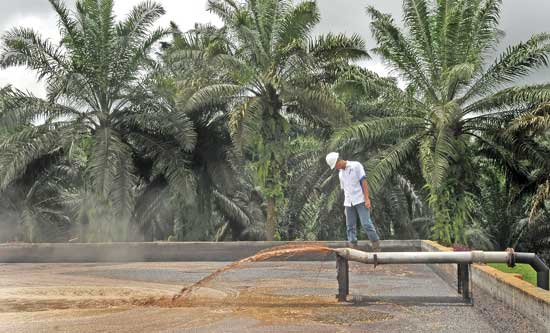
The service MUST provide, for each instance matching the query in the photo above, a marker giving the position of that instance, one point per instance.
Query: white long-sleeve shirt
(350, 181)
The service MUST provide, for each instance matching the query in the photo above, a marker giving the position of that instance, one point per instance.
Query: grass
(528, 273)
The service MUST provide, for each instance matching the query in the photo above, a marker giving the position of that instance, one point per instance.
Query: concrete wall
(523, 297)
(163, 251)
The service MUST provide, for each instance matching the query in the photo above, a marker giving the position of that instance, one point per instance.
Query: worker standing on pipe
(357, 203)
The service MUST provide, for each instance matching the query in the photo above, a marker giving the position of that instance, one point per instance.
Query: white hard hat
(331, 159)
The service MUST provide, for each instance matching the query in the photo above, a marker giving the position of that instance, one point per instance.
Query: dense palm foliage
(273, 72)
(220, 185)
(98, 99)
(219, 133)
(455, 106)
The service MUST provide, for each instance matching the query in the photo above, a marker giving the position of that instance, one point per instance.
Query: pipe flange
(511, 260)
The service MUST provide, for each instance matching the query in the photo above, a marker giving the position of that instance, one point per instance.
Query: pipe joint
(511, 260)
(478, 257)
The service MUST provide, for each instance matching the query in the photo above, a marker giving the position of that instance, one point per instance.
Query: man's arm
(365, 187)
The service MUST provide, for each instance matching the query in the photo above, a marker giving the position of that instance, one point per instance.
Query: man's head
(334, 161)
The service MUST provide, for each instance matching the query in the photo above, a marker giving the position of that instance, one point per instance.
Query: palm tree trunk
(274, 135)
(271, 225)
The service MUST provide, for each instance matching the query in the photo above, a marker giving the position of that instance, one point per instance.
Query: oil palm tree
(97, 91)
(273, 70)
(534, 127)
(454, 101)
(314, 210)
(222, 192)
(32, 207)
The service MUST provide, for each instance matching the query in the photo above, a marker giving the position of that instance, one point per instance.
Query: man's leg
(351, 224)
(366, 222)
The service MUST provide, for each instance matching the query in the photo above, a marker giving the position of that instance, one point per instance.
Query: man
(357, 203)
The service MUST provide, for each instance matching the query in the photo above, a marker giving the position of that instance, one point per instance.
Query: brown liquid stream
(274, 252)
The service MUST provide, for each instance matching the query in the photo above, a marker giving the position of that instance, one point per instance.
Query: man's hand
(368, 204)
(366, 193)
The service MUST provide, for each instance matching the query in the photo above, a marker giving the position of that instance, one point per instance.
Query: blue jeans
(366, 221)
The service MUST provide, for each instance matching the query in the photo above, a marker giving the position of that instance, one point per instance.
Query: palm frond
(444, 153)
(516, 62)
(103, 164)
(20, 149)
(173, 124)
(393, 46)
(417, 19)
(390, 160)
(297, 23)
(457, 75)
(124, 183)
(140, 19)
(20, 109)
(485, 33)
(25, 47)
(535, 122)
(223, 8)
(511, 98)
(66, 22)
(540, 199)
(244, 121)
(232, 211)
(375, 130)
(319, 106)
(217, 94)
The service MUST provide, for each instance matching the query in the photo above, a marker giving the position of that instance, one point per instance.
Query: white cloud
(23, 79)
(377, 65)
(46, 24)
(184, 12)
(519, 20)
(20, 77)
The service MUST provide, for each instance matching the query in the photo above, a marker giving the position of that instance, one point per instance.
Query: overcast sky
(519, 20)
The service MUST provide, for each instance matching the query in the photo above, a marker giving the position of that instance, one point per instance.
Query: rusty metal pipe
(466, 257)
(462, 257)
(543, 272)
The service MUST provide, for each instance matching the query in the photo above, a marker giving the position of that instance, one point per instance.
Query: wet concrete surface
(259, 297)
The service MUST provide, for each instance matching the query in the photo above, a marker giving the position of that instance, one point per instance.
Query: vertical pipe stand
(542, 280)
(342, 275)
(463, 277)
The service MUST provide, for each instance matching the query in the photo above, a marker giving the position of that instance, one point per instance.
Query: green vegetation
(454, 106)
(528, 273)
(220, 133)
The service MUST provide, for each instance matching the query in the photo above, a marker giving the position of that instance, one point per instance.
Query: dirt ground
(259, 297)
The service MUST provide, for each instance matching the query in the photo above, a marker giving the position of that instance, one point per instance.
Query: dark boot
(376, 246)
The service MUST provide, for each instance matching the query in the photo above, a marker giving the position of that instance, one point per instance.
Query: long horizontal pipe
(462, 257)
(466, 257)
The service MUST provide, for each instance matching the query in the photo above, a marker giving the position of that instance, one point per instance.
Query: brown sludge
(245, 301)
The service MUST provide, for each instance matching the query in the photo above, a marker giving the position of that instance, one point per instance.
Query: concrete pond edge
(520, 295)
